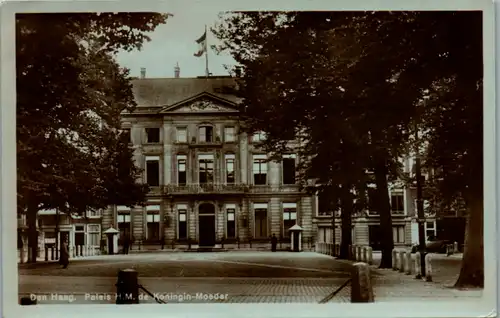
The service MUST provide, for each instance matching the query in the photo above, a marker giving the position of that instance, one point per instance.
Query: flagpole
(206, 52)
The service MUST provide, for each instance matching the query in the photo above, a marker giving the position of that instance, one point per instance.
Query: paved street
(218, 277)
(243, 276)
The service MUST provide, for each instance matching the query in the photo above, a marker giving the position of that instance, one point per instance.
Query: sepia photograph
(223, 156)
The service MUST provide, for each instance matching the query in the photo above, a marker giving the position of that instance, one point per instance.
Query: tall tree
(372, 63)
(70, 93)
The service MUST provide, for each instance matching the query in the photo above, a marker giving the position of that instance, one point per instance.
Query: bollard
(401, 261)
(127, 287)
(81, 250)
(408, 262)
(26, 301)
(370, 255)
(360, 251)
(365, 254)
(455, 247)
(418, 268)
(428, 268)
(361, 287)
(394, 260)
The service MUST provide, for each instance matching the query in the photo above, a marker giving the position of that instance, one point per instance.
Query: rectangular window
(182, 135)
(206, 168)
(259, 169)
(123, 220)
(398, 234)
(289, 169)
(181, 169)
(182, 213)
(230, 169)
(397, 204)
(231, 221)
(324, 204)
(289, 217)
(206, 134)
(153, 222)
(153, 171)
(152, 135)
(260, 211)
(372, 201)
(430, 230)
(94, 213)
(259, 136)
(229, 134)
(127, 135)
(94, 234)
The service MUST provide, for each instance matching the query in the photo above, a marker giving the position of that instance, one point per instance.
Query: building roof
(151, 92)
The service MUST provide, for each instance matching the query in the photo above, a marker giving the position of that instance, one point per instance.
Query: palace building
(209, 183)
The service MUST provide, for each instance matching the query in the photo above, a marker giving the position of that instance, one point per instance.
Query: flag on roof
(202, 42)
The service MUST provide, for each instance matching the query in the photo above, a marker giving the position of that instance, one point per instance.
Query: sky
(174, 42)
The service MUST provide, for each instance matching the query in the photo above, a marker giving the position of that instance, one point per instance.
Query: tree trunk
(472, 271)
(31, 217)
(384, 210)
(346, 218)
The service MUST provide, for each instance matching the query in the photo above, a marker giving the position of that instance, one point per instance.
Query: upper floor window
(230, 158)
(372, 201)
(206, 134)
(126, 134)
(259, 169)
(229, 134)
(153, 171)
(181, 169)
(397, 203)
(206, 168)
(289, 169)
(152, 135)
(258, 136)
(181, 135)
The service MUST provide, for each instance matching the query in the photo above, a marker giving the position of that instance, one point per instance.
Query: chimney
(143, 72)
(177, 70)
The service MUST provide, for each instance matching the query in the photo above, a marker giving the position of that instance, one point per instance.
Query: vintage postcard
(228, 158)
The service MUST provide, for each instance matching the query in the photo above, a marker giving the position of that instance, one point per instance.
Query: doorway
(206, 225)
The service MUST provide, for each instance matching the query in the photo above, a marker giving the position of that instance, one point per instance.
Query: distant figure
(64, 259)
(126, 244)
(274, 243)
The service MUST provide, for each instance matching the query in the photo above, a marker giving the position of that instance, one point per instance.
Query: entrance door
(206, 225)
(374, 234)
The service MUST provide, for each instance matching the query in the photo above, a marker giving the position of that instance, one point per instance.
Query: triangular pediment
(202, 103)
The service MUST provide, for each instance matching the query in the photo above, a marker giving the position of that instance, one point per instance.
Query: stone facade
(209, 181)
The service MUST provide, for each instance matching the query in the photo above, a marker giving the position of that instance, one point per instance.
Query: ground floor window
(289, 217)
(430, 230)
(260, 211)
(93, 234)
(123, 221)
(325, 235)
(182, 224)
(398, 233)
(79, 235)
(231, 221)
(153, 222)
